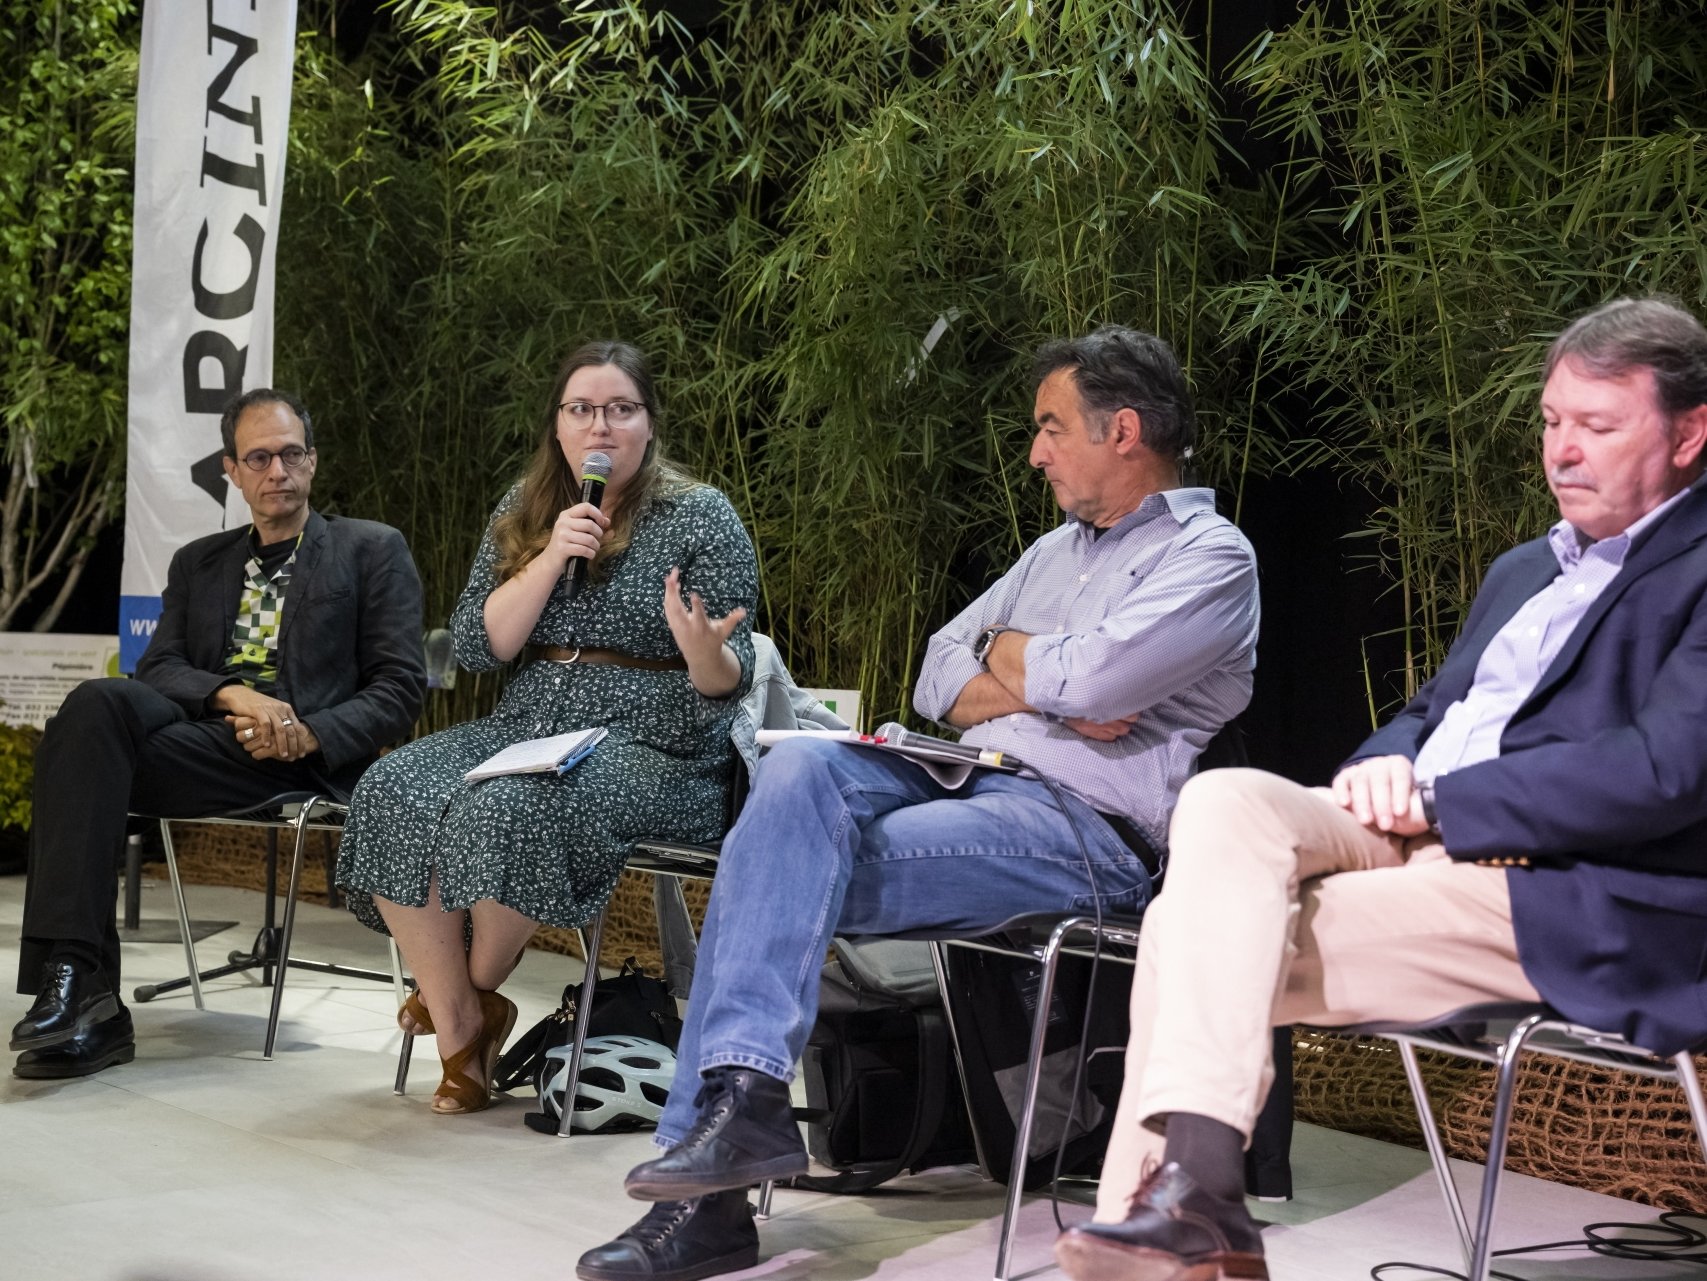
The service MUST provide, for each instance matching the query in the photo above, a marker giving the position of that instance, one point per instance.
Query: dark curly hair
(1118, 368)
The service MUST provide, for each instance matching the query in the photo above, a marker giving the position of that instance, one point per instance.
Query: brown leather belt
(615, 658)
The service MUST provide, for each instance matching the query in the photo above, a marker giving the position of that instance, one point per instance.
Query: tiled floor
(202, 1162)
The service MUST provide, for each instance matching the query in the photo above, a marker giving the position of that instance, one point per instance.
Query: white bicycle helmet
(624, 1083)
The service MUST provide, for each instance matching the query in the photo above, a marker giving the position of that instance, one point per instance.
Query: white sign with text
(212, 109)
(37, 671)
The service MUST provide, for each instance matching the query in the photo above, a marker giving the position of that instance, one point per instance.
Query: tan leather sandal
(413, 1012)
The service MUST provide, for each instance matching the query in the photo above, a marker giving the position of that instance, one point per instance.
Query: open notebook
(560, 752)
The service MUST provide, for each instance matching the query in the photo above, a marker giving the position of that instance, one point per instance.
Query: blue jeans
(844, 840)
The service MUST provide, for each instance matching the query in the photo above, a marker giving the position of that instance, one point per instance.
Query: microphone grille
(596, 464)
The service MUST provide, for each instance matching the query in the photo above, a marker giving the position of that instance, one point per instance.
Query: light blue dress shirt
(1156, 616)
(1518, 656)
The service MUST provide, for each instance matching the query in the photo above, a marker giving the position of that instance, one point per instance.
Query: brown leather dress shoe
(1176, 1232)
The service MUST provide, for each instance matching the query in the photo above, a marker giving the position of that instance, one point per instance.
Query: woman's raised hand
(714, 670)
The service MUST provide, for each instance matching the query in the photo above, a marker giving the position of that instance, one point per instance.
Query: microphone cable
(1671, 1241)
(1083, 1058)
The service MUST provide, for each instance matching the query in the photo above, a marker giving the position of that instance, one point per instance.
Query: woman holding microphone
(654, 645)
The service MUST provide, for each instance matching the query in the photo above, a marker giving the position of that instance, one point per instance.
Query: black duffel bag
(993, 998)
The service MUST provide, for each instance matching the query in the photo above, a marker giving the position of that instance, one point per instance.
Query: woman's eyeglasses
(618, 413)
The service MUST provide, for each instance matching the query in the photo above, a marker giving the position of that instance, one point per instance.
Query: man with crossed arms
(1532, 826)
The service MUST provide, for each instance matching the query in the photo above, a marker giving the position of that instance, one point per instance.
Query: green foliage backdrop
(1465, 178)
(1359, 232)
(65, 70)
(780, 210)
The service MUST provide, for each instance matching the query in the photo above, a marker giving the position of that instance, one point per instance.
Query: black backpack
(630, 1003)
(993, 998)
(883, 1095)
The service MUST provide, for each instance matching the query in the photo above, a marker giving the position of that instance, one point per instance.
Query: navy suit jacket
(1601, 783)
(349, 642)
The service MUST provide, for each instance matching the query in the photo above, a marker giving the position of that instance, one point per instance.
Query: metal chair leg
(1690, 1080)
(183, 913)
(939, 962)
(583, 1016)
(1436, 1149)
(399, 985)
(1028, 1105)
(408, 1048)
(283, 961)
(763, 1209)
(403, 1055)
(1498, 1132)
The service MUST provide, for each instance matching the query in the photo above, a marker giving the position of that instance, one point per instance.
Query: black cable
(1090, 1001)
(1672, 1241)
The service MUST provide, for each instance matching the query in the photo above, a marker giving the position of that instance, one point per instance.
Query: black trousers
(118, 746)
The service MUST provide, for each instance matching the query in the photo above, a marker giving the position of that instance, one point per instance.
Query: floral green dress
(551, 846)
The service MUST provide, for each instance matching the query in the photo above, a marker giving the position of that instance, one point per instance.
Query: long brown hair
(549, 485)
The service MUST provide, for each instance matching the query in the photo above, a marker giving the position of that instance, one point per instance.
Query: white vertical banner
(213, 108)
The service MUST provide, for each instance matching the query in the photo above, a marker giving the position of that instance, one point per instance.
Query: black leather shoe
(101, 1046)
(745, 1134)
(73, 998)
(680, 1241)
(1176, 1232)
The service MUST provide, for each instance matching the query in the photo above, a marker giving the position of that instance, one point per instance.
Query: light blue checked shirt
(1157, 616)
(1519, 654)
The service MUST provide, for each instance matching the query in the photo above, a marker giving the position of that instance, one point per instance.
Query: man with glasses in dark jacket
(288, 652)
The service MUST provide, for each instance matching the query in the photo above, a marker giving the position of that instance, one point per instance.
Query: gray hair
(1639, 333)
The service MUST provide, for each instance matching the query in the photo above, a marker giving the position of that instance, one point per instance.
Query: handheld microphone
(898, 734)
(594, 472)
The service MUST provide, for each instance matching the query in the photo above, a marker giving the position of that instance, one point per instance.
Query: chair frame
(1538, 1030)
(1121, 933)
(310, 809)
(1075, 935)
(658, 858)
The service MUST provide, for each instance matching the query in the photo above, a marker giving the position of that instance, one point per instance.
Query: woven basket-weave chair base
(1624, 1135)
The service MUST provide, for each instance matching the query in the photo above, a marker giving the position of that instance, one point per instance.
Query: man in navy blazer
(1532, 826)
(287, 653)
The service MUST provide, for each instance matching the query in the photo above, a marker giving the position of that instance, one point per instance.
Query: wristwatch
(1425, 794)
(986, 638)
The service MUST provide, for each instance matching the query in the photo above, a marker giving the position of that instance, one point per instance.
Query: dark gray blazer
(349, 644)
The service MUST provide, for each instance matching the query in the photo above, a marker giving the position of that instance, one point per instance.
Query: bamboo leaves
(783, 201)
(1486, 190)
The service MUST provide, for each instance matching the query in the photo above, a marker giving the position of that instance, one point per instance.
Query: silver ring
(287, 721)
(249, 733)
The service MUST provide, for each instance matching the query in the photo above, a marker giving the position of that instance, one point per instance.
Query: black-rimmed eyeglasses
(618, 413)
(293, 456)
